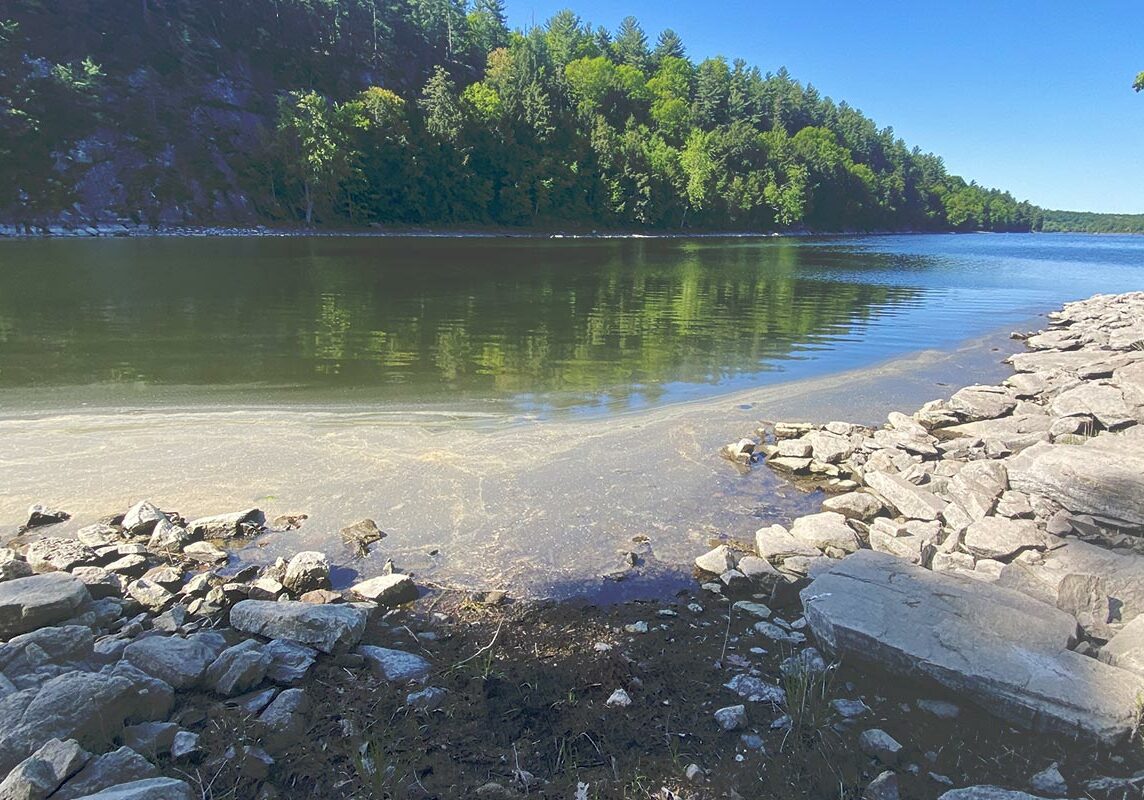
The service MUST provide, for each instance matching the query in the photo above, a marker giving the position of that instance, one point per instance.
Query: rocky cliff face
(191, 176)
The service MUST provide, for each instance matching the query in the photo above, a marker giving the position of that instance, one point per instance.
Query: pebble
(618, 699)
(637, 627)
(731, 718)
(878, 744)
(939, 708)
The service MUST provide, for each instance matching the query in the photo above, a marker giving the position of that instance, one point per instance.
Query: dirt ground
(524, 715)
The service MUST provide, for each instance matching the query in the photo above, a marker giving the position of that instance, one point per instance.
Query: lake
(511, 411)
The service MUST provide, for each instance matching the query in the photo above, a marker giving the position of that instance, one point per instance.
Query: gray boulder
(387, 590)
(1126, 648)
(829, 447)
(84, 706)
(988, 793)
(1104, 476)
(100, 583)
(174, 660)
(149, 594)
(1049, 781)
(41, 773)
(205, 553)
(151, 738)
(168, 537)
(909, 500)
(286, 719)
(307, 571)
(880, 745)
(153, 698)
(39, 600)
(149, 789)
(975, 403)
(1001, 537)
(1013, 433)
(1000, 648)
(825, 529)
(716, 561)
(1101, 400)
(39, 515)
(909, 541)
(13, 565)
(324, 627)
(238, 669)
(395, 665)
(290, 662)
(141, 518)
(105, 771)
(854, 505)
(731, 718)
(46, 652)
(228, 526)
(1102, 589)
(55, 554)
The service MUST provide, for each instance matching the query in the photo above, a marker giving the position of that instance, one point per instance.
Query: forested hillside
(1089, 222)
(432, 112)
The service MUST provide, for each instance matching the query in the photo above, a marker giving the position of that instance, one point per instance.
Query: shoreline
(123, 230)
(521, 496)
(754, 682)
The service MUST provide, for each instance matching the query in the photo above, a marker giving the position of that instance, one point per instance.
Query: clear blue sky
(1033, 97)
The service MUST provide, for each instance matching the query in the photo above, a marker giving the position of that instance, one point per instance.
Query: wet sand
(542, 508)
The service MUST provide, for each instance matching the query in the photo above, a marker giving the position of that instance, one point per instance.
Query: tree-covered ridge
(1090, 222)
(433, 112)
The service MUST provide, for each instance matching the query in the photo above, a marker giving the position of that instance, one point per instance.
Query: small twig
(484, 649)
(727, 636)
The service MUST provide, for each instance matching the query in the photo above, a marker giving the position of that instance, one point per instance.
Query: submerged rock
(228, 526)
(40, 515)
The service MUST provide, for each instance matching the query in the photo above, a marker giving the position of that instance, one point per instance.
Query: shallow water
(511, 412)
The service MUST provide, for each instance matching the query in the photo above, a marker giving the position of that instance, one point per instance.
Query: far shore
(123, 229)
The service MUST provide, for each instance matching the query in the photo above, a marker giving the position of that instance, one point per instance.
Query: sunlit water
(509, 410)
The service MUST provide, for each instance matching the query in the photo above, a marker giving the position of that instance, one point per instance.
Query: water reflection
(417, 319)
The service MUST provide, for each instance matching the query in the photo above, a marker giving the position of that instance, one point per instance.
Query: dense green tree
(313, 138)
(433, 112)
(1138, 84)
(488, 26)
(668, 45)
(712, 92)
(568, 39)
(630, 44)
(442, 108)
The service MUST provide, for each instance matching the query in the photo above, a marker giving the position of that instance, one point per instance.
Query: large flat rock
(997, 647)
(1104, 476)
(324, 627)
(38, 600)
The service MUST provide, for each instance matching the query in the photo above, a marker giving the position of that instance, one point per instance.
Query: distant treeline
(1089, 222)
(432, 112)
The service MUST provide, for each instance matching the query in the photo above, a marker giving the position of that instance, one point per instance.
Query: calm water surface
(503, 408)
(538, 324)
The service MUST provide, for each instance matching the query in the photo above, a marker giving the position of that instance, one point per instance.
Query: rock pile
(100, 635)
(1007, 523)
